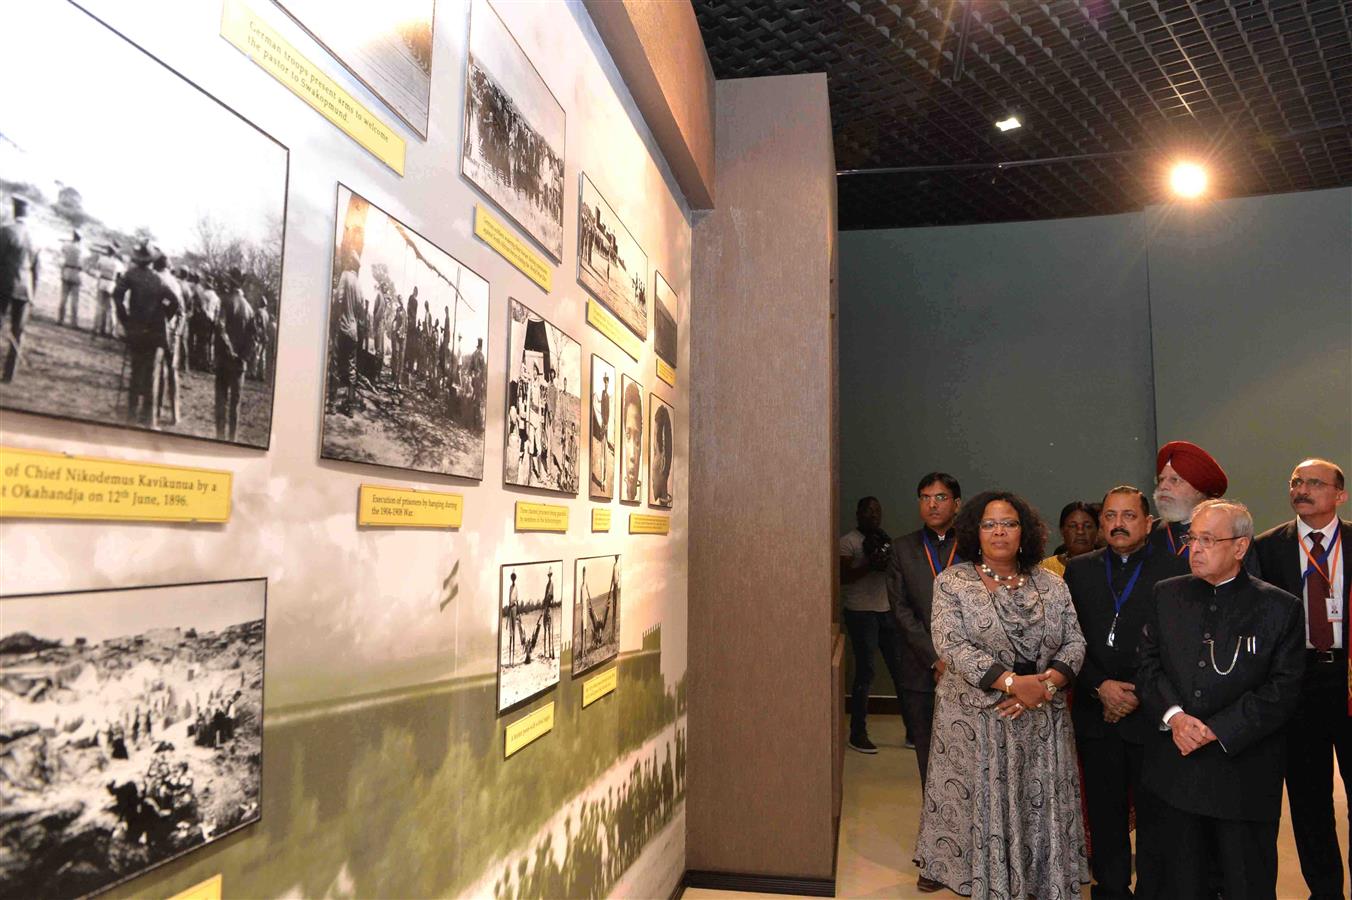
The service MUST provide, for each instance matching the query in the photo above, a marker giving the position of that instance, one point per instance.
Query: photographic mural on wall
(631, 441)
(151, 267)
(601, 458)
(596, 611)
(407, 348)
(610, 262)
(661, 446)
(386, 46)
(544, 381)
(530, 631)
(132, 728)
(514, 131)
(666, 313)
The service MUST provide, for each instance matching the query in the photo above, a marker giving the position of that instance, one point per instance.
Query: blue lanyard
(1322, 562)
(937, 565)
(1119, 602)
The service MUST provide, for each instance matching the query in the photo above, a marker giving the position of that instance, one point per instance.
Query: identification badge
(1334, 607)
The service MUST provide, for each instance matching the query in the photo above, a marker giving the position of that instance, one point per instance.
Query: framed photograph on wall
(133, 729)
(610, 262)
(156, 298)
(530, 631)
(544, 406)
(661, 444)
(386, 46)
(666, 313)
(596, 612)
(407, 348)
(631, 440)
(514, 131)
(601, 458)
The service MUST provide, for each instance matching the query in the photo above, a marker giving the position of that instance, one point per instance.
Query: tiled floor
(882, 810)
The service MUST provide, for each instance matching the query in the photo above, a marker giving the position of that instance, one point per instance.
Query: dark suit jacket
(1238, 776)
(1279, 563)
(1094, 605)
(1172, 562)
(910, 591)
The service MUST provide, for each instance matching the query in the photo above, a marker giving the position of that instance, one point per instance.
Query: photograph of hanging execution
(407, 348)
(149, 271)
(596, 612)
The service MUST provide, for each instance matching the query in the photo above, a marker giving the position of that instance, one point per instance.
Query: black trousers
(870, 632)
(1243, 854)
(1112, 782)
(917, 708)
(1319, 729)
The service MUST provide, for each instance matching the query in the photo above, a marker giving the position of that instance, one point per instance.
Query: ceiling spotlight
(1188, 180)
(1009, 124)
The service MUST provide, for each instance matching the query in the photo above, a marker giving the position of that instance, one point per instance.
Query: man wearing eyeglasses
(1307, 557)
(1222, 656)
(1185, 475)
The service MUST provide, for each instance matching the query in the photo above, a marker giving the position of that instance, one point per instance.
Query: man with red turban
(1185, 475)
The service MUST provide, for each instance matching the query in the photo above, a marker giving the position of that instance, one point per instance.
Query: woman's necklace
(1002, 579)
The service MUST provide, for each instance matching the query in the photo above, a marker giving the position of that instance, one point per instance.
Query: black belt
(1326, 657)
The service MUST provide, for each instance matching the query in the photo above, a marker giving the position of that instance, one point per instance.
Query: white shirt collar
(1226, 581)
(1303, 530)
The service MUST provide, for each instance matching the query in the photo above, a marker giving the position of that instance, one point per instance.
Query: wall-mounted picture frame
(596, 612)
(530, 631)
(544, 406)
(610, 263)
(631, 440)
(661, 452)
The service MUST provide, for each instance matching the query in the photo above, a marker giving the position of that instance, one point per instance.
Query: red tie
(1316, 593)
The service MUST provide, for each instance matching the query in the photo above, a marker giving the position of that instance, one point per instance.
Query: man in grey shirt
(867, 613)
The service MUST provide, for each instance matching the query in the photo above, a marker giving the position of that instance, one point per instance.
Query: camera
(877, 547)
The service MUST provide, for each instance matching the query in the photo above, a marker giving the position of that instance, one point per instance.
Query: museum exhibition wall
(1085, 343)
(343, 549)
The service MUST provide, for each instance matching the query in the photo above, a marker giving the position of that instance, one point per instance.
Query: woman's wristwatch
(1051, 689)
(1009, 683)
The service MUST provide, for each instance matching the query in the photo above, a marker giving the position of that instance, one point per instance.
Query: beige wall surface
(761, 563)
(383, 770)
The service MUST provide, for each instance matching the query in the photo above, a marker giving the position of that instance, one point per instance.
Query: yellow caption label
(600, 520)
(496, 235)
(274, 55)
(666, 372)
(35, 484)
(379, 504)
(594, 689)
(529, 728)
(207, 890)
(644, 523)
(600, 318)
(541, 516)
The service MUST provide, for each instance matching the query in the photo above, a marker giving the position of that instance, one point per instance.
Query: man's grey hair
(1241, 520)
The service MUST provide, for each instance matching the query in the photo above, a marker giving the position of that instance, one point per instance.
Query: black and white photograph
(132, 727)
(631, 441)
(660, 452)
(530, 631)
(544, 404)
(514, 131)
(666, 313)
(148, 294)
(610, 263)
(596, 612)
(601, 456)
(407, 348)
(385, 46)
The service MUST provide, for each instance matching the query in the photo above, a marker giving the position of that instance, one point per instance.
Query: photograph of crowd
(530, 631)
(660, 451)
(544, 406)
(131, 723)
(596, 612)
(514, 131)
(666, 313)
(602, 451)
(386, 46)
(610, 263)
(407, 348)
(140, 288)
(631, 441)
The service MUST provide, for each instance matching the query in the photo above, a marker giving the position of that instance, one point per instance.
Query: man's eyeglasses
(1005, 524)
(937, 498)
(1313, 484)
(1205, 541)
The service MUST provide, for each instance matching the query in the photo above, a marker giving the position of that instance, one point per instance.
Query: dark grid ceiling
(1260, 90)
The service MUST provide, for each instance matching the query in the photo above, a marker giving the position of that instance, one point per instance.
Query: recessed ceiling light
(1009, 124)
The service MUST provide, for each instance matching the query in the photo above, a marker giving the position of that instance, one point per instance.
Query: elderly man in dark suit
(1112, 589)
(1222, 657)
(1307, 557)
